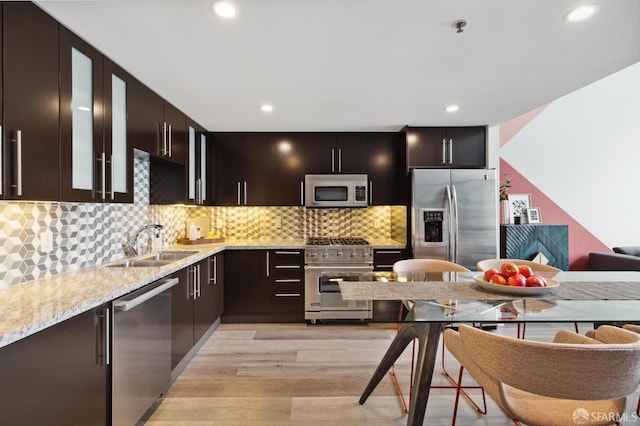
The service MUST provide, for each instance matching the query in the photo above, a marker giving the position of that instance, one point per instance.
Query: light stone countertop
(32, 306)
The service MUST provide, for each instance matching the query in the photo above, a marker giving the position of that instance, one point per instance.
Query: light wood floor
(297, 374)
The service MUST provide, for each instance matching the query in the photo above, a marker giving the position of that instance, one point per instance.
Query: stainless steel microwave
(336, 190)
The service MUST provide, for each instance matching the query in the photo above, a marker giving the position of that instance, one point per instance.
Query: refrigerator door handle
(455, 223)
(449, 225)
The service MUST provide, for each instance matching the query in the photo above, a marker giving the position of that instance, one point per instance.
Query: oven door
(322, 295)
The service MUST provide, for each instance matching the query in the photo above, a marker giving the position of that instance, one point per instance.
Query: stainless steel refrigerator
(454, 215)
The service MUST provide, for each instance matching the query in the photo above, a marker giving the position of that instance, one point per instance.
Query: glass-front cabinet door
(118, 151)
(96, 160)
(196, 164)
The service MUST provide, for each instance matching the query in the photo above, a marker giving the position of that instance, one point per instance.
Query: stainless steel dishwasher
(141, 365)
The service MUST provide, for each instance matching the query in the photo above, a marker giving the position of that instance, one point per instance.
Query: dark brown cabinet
(446, 146)
(288, 169)
(335, 153)
(286, 277)
(383, 259)
(195, 304)
(244, 169)
(385, 184)
(58, 376)
(156, 126)
(263, 286)
(30, 129)
(216, 279)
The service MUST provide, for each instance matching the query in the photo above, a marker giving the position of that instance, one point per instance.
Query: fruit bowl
(518, 291)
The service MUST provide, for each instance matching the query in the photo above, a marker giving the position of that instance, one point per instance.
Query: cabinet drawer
(383, 259)
(287, 302)
(289, 284)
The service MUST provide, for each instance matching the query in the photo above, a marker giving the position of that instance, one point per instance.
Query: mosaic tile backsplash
(86, 234)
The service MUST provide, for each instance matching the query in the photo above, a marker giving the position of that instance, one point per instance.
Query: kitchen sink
(169, 255)
(161, 258)
(140, 263)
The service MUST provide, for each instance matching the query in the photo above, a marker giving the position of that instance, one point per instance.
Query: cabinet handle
(198, 282)
(245, 192)
(198, 199)
(287, 266)
(1, 184)
(301, 193)
(288, 295)
(113, 169)
(102, 337)
(163, 127)
(340, 160)
(450, 151)
(238, 192)
(18, 184)
(288, 281)
(213, 261)
(103, 176)
(170, 139)
(444, 151)
(370, 192)
(107, 332)
(267, 263)
(388, 252)
(333, 160)
(288, 252)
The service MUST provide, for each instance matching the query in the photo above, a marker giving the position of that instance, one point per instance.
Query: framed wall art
(533, 215)
(518, 205)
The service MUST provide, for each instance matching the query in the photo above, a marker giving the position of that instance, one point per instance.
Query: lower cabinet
(264, 286)
(383, 259)
(58, 376)
(195, 302)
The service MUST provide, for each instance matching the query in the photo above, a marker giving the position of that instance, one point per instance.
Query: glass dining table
(436, 299)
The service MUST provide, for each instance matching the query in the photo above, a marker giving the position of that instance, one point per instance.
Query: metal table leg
(428, 335)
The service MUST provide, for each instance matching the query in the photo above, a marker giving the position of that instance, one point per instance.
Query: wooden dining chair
(484, 265)
(559, 383)
(430, 266)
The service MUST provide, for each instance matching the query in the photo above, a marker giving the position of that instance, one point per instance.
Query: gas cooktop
(341, 241)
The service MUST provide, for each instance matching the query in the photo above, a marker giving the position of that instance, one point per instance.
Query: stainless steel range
(328, 260)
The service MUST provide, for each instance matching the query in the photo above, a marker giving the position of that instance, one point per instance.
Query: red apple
(498, 279)
(525, 270)
(517, 280)
(489, 273)
(508, 268)
(536, 281)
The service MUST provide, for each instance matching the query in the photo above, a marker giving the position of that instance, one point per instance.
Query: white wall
(583, 152)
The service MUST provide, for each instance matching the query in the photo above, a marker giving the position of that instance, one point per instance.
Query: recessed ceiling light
(452, 108)
(266, 108)
(224, 9)
(582, 12)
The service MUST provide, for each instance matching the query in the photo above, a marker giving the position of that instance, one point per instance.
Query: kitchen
(70, 228)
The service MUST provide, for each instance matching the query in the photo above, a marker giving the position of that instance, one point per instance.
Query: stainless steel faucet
(130, 247)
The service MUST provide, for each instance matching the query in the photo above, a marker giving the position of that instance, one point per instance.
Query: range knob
(366, 254)
(325, 254)
(339, 253)
(312, 253)
(354, 253)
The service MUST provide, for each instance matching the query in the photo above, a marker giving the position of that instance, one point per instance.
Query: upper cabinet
(197, 164)
(446, 146)
(244, 168)
(30, 152)
(335, 153)
(288, 169)
(156, 126)
(96, 158)
(385, 185)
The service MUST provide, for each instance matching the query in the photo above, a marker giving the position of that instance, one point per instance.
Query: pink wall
(581, 241)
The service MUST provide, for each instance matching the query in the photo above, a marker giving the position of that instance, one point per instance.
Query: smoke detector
(459, 25)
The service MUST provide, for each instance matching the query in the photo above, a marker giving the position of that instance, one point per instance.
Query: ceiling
(357, 65)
